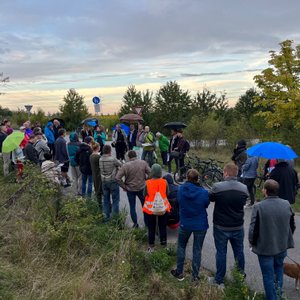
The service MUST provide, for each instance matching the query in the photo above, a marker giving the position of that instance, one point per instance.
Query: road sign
(138, 110)
(96, 100)
(97, 108)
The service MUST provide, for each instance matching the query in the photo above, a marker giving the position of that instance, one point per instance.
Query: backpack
(187, 146)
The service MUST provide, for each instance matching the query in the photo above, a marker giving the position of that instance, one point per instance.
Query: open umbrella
(131, 118)
(12, 141)
(90, 122)
(175, 125)
(124, 127)
(271, 150)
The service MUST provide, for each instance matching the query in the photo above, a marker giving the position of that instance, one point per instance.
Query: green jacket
(163, 143)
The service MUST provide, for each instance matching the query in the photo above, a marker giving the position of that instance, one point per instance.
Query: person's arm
(253, 227)
(117, 163)
(119, 176)
(147, 169)
(212, 194)
(45, 147)
(292, 222)
(246, 165)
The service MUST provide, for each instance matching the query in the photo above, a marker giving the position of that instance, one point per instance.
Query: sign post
(96, 100)
(138, 110)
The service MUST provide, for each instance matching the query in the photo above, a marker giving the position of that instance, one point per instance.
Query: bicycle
(180, 173)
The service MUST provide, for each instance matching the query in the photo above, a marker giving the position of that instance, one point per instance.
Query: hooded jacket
(72, 148)
(49, 133)
(193, 201)
(83, 159)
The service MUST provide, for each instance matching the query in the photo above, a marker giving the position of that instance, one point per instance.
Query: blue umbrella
(124, 127)
(272, 150)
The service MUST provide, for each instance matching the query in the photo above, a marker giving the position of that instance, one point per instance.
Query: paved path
(254, 278)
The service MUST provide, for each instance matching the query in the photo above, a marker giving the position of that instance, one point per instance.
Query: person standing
(270, 235)
(41, 146)
(83, 159)
(27, 127)
(72, 149)
(181, 148)
(61, 155)
(56, 128)
(172, 146)
(30, 152)
(154, 185)
(5, 156)
(193, 202)
(148, 139)
(131, 138)
(49, 133)
(139, 136)
(230, 197)
(99, 136)
(249, 174)
(119, 141)
(239, 156)
(288, 180)
(85, 132)
(94, 161)
(135, 173)
(108, 170)
(163, 144)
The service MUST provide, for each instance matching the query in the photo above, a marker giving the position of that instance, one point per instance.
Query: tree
(5, 112)
(280, 84)
(206, 102)
(171, 104)
(74, 110)
(38, 116)
(133, 98)
(3, 80)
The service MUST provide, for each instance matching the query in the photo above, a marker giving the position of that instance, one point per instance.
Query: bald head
(271, 188)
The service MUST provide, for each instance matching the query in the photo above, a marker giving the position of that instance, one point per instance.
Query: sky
(100, 47)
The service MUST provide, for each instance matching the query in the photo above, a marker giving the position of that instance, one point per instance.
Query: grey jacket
(271, 228)
(41, 147)
(135, 172)
(108, 167)
(249, 169)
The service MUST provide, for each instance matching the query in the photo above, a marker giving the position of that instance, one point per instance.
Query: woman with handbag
(156, 206)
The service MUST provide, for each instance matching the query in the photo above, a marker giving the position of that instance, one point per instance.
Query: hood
(241, 143)
(191, 190)
(73, 137)
(49, 124)
(85, 147)
(169, 178)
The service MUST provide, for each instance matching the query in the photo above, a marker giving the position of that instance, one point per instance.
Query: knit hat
(156, 171)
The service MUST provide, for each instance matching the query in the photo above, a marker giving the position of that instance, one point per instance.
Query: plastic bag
(158, 207)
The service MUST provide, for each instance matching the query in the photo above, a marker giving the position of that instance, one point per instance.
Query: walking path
(254, 278)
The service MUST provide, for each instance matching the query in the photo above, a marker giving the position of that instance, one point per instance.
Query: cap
(22, 127)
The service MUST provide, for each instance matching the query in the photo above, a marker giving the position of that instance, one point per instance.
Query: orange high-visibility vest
(154, 186)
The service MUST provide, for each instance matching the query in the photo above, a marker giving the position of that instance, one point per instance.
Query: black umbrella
(175, 125)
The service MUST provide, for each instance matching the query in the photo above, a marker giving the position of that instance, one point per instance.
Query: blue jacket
(193, 201)
(249, 169)
(49, 133)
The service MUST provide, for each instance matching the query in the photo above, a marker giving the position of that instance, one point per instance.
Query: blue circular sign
(96, 100)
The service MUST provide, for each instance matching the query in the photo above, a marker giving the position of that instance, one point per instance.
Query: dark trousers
(52, 149)
(164, 157)
(249, 182)
(170, 163)
(162, 225)
(132, 200)
(120, 150)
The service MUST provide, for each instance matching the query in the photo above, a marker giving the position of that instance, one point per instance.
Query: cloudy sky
(100, 47)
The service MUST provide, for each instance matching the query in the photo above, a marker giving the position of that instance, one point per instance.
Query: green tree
(39, 116)
(133, 98)
(280, 84)
(246, 105)
(5, 112)
(171, 104)
(74, 110)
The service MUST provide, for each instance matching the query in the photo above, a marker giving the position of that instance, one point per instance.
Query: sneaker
(135, 226)
(150, 250)
(196, 280)
(177, 275)
(212, 281)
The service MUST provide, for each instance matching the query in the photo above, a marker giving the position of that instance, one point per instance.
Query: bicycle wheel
(180, 175)
(211, 177)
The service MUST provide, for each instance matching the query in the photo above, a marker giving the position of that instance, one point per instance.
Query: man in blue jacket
(193, 202)
(49, 133)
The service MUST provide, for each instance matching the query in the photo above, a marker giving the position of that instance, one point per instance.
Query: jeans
(131, 198)
(149, 155)
(249, 182)
(87, 179)
(183, 238)
(272, 272)
(110, 188)
(77, 178)
(236, 238)
(162, 225)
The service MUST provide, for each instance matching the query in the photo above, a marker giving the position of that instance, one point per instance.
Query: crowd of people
(94, 167)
